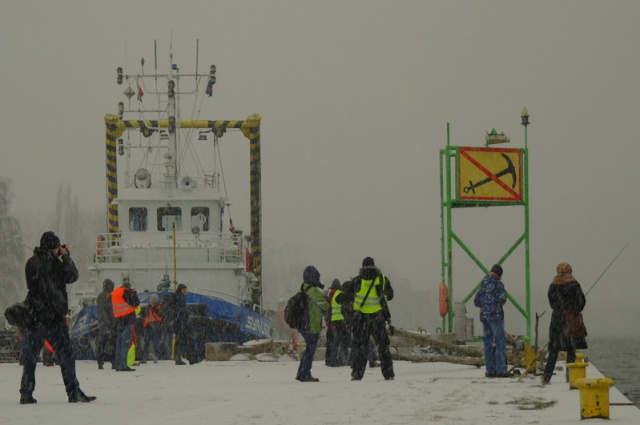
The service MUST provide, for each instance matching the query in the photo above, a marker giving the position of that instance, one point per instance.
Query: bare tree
(11, 250)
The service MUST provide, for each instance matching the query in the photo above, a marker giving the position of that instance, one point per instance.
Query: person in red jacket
(153, 329)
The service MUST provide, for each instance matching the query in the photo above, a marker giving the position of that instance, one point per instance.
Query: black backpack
(19, 315)
(295, 310)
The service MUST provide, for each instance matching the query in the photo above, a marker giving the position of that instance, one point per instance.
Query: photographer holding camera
(48, 272)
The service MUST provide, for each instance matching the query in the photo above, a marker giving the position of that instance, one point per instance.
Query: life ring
(99, 245)
(444, 299)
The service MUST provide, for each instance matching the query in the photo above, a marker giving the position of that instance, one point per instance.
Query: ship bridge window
(200, 219)
(167, 216)
(138, 219)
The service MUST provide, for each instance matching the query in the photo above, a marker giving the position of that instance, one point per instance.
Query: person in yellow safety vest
(133, 345)
(153, 328)
(370, 291)
(125, 301)
(329, 334)
(339, 352)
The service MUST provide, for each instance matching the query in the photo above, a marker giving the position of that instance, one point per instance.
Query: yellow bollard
(579, 357)
(530, 356)
(576, 371)
(594, 397)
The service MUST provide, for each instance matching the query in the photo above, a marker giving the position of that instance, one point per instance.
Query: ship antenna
(155, 57)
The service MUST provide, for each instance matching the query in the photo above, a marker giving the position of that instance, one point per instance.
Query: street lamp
(525, 121)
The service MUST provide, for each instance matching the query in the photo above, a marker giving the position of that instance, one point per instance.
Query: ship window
(200, 218)
(167, 216)
(138, 219)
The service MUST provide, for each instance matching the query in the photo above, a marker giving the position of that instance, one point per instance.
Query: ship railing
(223, 296)
(158, 247)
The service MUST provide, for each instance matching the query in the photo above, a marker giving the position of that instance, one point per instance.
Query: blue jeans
(123, 341)
(495, 348)
(311, 340)
(58, 336)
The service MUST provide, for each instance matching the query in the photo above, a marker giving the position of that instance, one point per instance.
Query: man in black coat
(106, 325)
(370, 291)
(48, 272)
(178, 314)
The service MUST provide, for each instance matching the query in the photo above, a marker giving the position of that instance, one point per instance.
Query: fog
(355, 97)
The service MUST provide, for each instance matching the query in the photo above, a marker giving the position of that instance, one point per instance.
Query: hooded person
(153, 329)
(489, 299)
(48, 272)
(178, 314)
(370, 292)
(106, 343)
(311, 327)
(564, 294)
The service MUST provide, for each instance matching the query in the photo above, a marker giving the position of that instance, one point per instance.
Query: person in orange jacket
(124, 300)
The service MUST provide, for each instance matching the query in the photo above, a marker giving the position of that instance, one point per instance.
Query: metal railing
(158, 247)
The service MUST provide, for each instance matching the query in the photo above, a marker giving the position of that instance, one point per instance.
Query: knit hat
(49, 240)
(335, 284)
(368, 262)
(180, 287)
(108, 285)
(497, 269)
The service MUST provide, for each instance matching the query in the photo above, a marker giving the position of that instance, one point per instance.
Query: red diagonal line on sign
(489, 174)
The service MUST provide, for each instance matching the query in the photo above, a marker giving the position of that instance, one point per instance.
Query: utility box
(460, 321)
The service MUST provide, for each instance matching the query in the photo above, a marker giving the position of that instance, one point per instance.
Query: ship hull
(211, 320)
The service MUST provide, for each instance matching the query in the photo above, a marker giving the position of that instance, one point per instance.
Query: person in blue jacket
(310, 329)
(490, 298)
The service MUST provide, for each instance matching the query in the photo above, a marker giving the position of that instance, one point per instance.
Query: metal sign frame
(453, 196)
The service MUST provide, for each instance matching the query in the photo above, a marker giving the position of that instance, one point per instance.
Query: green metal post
(527, 267)
(449, 258)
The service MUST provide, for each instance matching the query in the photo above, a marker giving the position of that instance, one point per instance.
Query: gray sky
(355, 98)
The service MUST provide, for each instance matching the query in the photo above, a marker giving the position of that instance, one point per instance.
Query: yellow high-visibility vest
(372, 303)
(336, 309)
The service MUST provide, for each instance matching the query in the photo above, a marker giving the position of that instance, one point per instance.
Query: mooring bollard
(594, 397)
(530, 356)
(577, 370)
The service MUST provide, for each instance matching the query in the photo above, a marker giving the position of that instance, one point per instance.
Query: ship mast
(116, 125)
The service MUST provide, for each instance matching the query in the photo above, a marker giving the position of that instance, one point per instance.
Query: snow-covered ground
(264, 393)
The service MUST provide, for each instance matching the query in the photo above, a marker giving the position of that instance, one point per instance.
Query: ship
(168, 211)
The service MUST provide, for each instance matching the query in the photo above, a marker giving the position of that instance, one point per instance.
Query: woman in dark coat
(564, 294)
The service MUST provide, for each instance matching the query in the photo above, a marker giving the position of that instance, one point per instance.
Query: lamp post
(525, 122)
